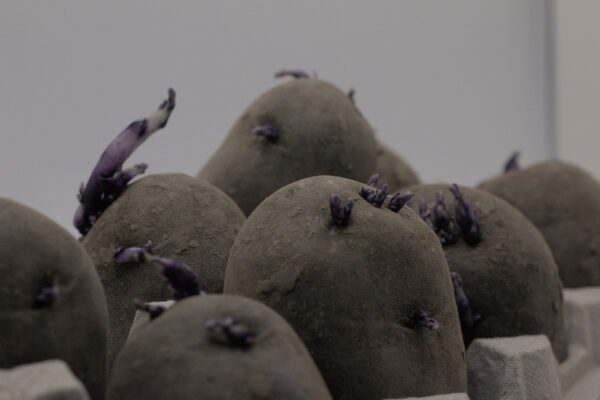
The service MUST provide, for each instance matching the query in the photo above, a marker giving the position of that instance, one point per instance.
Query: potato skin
(510, 277)
(187, 219)
(563, 202)
(321, 132)
(393, 170)
(350, 292)
(35, 252)
(173, 358)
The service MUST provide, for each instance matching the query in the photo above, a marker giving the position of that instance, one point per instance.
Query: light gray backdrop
(452, 86)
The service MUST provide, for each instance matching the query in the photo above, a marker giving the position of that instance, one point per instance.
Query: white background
(454, 86)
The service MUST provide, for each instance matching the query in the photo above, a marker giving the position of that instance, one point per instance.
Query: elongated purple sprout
(108, 180)
(340, 214)
(183, 280)
(468, 317)
(366, 192)
(269, 132)
(46, 296)
(512, 164)
(399, 200)
(466, 218)
(155, 310)
(229, 331)
(421, 319)
(294, 73)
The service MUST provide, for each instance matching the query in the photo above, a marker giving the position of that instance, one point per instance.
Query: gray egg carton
(45, 380)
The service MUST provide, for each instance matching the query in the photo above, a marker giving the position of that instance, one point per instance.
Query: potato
(52, 305)
(352, 292)
(177, 357)
(186, 218)
(314, 129)
(509, 276)
(563, 202)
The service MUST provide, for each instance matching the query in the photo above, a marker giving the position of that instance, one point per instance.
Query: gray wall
(453, 86)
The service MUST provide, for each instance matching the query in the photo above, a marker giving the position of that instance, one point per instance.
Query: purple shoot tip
(443, 225)
(399, 200)
(366, 192)
(229, 331)
(377, 197)
(512, 164)
(135, 255)
(420, 319)
(340, 215)
(108, 179)
(46, 296)
(183, 280)
(155, 310)
(269, 132)
(466, 218)
(294, 73)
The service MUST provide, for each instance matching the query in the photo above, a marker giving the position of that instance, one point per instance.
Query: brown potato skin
(187, 219)
(173, 358)
(321, 133)
(510, 277)
(35, 252)
(563, 202)
(350, 292)
(394, 170)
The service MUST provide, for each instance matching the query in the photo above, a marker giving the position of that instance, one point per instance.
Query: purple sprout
(443, 225)
(108, 179)
(296, 74)
(183, 280)
(468, 318)
(399, 200)
(376, 198)
(135, 255)
(512, 164)
(155, 310)
(466, 218)
(46, 296)
(229, 331)
(420, 319)
(340, 215)
(366, 192)
(269, 132)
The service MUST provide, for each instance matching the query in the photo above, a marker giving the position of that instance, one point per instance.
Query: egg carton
(45, 380)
